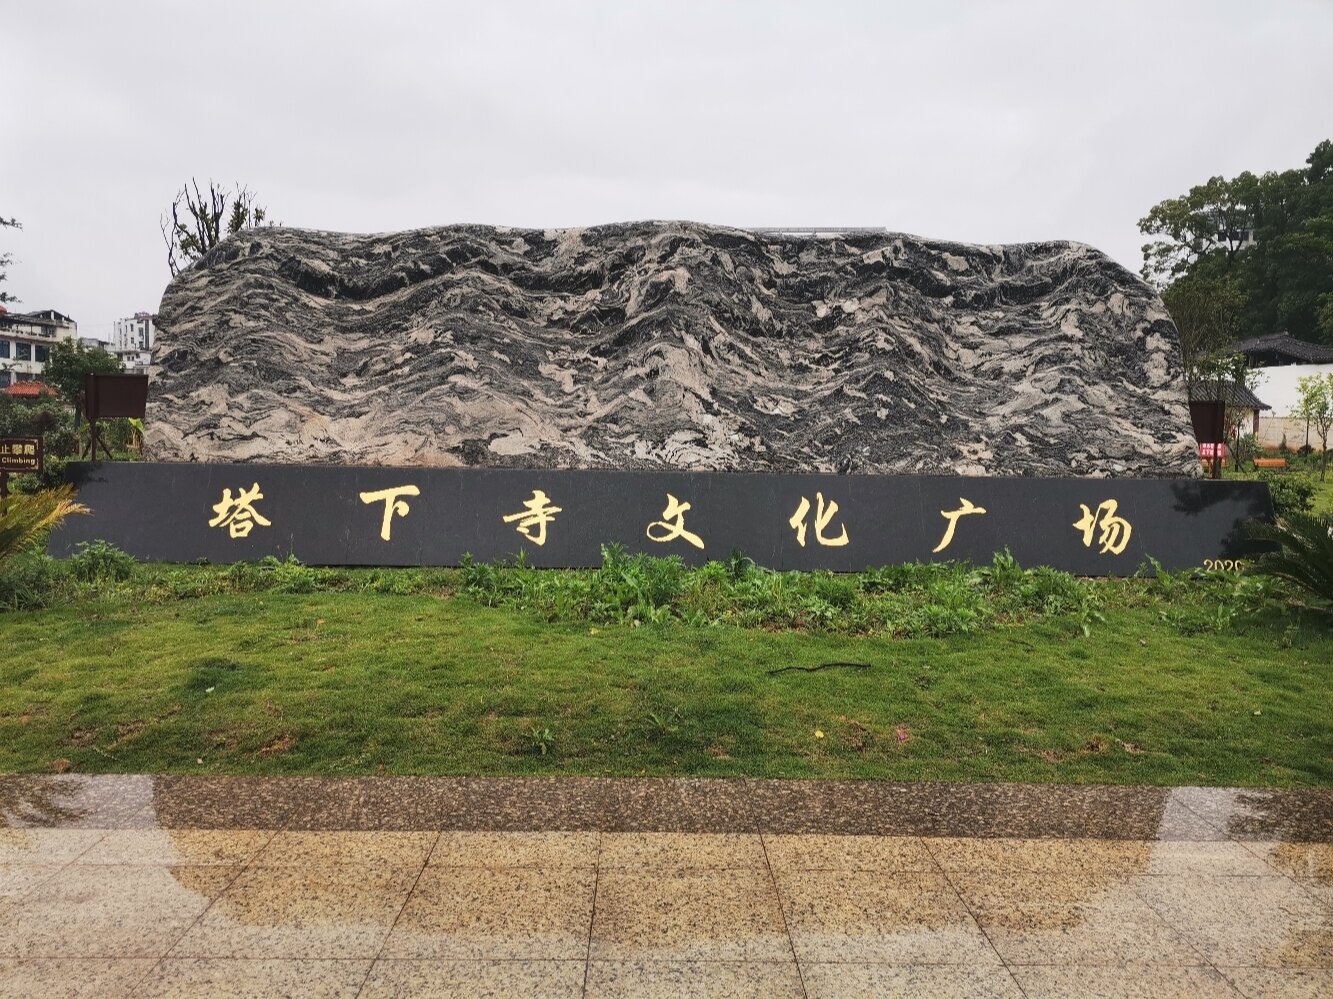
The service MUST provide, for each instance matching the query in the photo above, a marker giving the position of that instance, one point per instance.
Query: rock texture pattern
(668, 345)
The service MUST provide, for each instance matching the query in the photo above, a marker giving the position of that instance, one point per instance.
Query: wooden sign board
(106, 396)
(20, 454)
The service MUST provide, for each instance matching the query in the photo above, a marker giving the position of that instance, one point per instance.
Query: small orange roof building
(31, 390)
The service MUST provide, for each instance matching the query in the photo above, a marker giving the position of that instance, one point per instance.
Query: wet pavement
(405, 887)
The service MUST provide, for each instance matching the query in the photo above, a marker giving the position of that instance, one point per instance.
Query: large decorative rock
(668, 345)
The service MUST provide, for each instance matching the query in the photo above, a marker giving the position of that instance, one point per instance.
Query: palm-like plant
(23, 517)
(1305, 551)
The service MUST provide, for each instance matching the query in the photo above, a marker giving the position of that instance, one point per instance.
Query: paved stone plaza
(128, 885)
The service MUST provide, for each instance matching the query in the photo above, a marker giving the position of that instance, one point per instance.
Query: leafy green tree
(1208, 315)
(1315, 407)
(5, 258)
(70, 362)
(1209, 309)
(1209, 223)
(30, 417)
(198, 220)
(1250, 253)
(1288, 277)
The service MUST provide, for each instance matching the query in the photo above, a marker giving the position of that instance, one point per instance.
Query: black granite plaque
(352, 515)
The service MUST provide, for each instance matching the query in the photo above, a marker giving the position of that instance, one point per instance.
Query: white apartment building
(132, 342)
(26, 340)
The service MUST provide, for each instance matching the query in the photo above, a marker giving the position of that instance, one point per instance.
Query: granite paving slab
(128, 886)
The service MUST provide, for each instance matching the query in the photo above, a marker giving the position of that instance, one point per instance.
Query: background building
(132, 342)
(26, 339)
(1279, 362)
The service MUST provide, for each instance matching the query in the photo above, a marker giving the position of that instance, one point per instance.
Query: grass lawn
(1163, 689)
(1323, 497)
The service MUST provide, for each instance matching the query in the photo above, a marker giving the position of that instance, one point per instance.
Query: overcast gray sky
(984, 122)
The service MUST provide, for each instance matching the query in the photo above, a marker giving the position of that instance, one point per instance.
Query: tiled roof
(1284, 344)
(1235, 396)
(31, 390)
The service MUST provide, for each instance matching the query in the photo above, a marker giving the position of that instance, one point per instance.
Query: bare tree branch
(196, 224)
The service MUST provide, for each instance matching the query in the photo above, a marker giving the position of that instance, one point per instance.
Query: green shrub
(97, 561)
(1162, 582)
(914, 600)
(1304, 554)
(118, 433)
(917, 599)
(52, 476)
(270, 573)
(1291, 493)
(289, 575)
(32, 418)
(32, 580)
(62, 442)
(737, 566)
(23, 519)
(894, 578)
(1050, 591)
(938, 620)
(1004, 572)
(840, 591)
(634, 587)
(1244, 449)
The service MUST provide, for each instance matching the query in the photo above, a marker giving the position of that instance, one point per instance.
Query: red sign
(1212, 450)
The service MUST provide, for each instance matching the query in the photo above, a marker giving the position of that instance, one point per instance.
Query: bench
(1270, 462)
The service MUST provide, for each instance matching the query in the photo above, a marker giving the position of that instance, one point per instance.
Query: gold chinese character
(1115, 530)
(673, 524)
(537, 513)
(952, 517)
(823, 515)
(30, 449)
(392, 504)
(239, 515)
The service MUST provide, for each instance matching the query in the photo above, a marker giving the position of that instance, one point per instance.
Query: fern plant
(1304, 555)
(24, 517)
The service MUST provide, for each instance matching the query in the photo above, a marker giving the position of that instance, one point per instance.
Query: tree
(1315, 406)
(5, 258)
(70, 361)
(1207, 314)
(1208, 223)
(1261, 246)
(195, 224)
